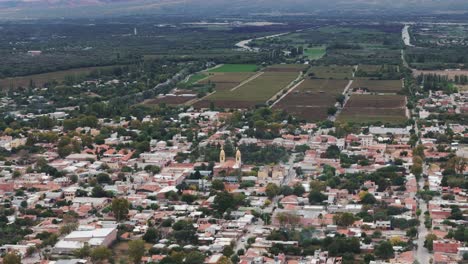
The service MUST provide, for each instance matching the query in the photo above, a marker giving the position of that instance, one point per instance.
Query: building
(86, 236)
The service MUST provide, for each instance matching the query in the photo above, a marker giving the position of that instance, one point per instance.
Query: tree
(419, 151)
(288, 219)
(224, 260)
(120, 208)
(195, 257)
(316, 197)
(136, 250)
(367, 198)
(217, 185)
(228, 251)
(332, 152)
(12, 258)
(272, 190)
(429, 242)
(344, 219)
(83, 252)
(458, 164)
(298, 189)
(100, 254)
(384, 250)
(332, 110)
(151, 236)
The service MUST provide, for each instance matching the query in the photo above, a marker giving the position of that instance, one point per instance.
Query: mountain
(99, 8)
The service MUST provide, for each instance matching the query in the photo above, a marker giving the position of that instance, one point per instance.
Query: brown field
(450, 73)
(331, 72)
(285, 68)
(227, 80)
(378, 86)
(311, 100)
(43, 78)
(374, 108)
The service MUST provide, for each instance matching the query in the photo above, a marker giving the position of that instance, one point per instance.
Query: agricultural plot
(236, 68)
(257, 90)
(194, 78)
(331, 72)
(375, 108)
(226, 80)
(311, 100)
(286, 68)
(315, 53)
(378, 86)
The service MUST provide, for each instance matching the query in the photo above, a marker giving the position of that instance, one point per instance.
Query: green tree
(100, 254)
(217, 185)
(136, 250)
(151, 236)
(83, 252)
(12, 258)
(429, 242)
(195, 257)
(272, 190)
(344, 219)
(120, 208)
(384, 250)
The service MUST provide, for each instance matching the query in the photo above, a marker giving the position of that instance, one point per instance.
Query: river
(405, 35)
(244, 44)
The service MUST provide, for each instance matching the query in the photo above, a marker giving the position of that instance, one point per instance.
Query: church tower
(222, 155)
(238, 158)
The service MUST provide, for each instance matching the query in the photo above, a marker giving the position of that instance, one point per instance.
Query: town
(290, 153)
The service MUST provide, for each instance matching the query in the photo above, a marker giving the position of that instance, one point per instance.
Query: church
(228, 166)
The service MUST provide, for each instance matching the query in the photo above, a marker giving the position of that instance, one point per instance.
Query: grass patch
(194, 78)
(236, 68)
(315, 53)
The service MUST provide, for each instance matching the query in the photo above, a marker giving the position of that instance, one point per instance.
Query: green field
(236, 68)
(260, 89)
(315, 53)
(194, 78)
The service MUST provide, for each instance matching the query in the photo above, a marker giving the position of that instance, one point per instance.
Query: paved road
(422, 254)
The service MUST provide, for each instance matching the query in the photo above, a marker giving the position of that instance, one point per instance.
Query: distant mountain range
(98, 8)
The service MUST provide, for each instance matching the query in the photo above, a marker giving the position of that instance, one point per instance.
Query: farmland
(331, 72)
(235, 68)
(226, 81)
(378, 86)
(257, 90)
(194, 78)
(375, 109)
(312, 98)
(315, 53)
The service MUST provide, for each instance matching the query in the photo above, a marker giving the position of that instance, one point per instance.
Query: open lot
(311, 100)
(378, 86)
(331, 72)
(236, 68)
(374, 108)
